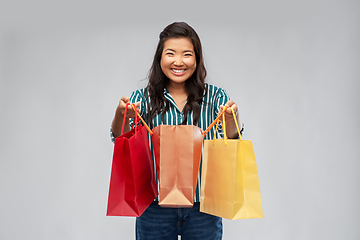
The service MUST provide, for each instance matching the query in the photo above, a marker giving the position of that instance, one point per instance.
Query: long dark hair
(195, 85)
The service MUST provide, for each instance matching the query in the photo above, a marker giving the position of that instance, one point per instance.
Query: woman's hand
(228, 113)
(120, 110)
(117, 123)
(231, 129)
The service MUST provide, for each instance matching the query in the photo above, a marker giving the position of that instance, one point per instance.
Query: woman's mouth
(178, 72)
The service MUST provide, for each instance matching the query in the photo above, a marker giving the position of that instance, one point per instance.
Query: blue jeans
(158, 223)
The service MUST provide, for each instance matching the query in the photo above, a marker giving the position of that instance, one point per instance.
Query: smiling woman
(177, 94)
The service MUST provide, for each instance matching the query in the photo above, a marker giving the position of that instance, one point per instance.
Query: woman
(177, 94)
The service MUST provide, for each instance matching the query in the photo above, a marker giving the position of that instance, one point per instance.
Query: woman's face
(178, 60)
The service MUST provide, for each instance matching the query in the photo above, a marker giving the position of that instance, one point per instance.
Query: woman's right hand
(117, 123)
(130, 111)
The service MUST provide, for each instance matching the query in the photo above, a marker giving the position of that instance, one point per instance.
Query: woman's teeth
(178, 70)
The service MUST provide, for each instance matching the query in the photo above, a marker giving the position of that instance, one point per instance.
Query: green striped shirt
(209, 110)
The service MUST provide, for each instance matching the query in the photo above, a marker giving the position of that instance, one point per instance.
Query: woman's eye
(188, 55)
(170, 54)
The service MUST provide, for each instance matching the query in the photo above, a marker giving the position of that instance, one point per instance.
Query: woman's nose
(178, 61)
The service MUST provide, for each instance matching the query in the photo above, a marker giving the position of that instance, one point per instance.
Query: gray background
(291, 66)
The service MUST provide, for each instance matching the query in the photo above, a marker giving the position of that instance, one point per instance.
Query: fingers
(122, 104)
(137, 105)
(125, 99)
(229, 104)
(130, 111)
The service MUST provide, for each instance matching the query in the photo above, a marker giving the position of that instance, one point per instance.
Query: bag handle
(236, 123)
(136, 121)
(138, 115)
(214, 122)
(223, 123)
(122, 128)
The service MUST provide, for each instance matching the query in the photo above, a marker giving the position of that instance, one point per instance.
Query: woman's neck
(179, 94)
(176, 88)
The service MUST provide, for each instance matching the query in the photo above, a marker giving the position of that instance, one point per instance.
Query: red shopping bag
(132, 183)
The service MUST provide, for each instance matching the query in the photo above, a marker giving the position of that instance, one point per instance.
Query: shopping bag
(230, 184)
(132, 183)
(177, 151)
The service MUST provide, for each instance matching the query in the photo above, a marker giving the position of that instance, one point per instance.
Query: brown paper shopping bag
(177, 152)
(230, 184)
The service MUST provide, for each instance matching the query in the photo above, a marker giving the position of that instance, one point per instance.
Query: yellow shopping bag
(229, 180)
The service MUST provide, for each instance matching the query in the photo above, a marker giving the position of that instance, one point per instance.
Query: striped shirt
(214, 98)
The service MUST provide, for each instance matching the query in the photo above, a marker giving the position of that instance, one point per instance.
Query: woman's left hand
(231, 129)
(228, 112)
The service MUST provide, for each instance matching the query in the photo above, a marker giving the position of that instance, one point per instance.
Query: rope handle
(136, 121)
(217, 124)
(236, 123)
(223, 124)
(214, 122)
(138, 115)
(122, 128)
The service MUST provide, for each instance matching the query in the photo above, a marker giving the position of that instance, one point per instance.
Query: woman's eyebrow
(169, 49)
